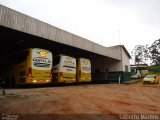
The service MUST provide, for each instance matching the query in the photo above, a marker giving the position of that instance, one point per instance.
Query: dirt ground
(82, 101)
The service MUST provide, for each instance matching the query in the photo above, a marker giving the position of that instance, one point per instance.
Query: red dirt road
(97, 99)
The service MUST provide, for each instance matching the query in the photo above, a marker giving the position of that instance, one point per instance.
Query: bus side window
(22, 56)
(135, 70)
(15, 58)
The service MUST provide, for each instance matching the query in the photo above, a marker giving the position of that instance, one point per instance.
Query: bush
(154, 69)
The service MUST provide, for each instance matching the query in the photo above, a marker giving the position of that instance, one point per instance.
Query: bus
(64, 69)
(83, 70)
(30, 66)
(139, 71)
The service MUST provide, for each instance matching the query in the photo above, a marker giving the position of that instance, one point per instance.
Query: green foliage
(155, 52)
(140, 54)
(154, 69)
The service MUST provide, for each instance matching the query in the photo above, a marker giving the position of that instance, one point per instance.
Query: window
(133, 70)
(17, 57)
(126, 68)
(22, 56)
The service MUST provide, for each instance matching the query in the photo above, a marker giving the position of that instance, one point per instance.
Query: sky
(106, 22)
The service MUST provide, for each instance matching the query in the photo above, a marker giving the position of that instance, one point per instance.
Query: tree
(146, 54)
(140, 54)
(155, 52)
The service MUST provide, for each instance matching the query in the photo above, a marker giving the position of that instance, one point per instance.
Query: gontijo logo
(69, 58)
(43, 53)
(85, 61)
(40, 60)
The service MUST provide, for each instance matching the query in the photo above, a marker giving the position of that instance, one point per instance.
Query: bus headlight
(47, 80)
(34, 81)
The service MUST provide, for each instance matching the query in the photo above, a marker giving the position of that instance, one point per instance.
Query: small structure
(111, 69)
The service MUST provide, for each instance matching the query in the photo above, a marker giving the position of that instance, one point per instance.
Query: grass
(152, 72)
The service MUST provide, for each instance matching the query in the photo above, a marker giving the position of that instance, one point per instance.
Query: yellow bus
(64, 69)
(30, 66)
(83, 70)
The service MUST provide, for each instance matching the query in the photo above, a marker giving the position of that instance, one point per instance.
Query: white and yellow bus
(64, 69)
(83, 70)
(139, 71)
(30, 66)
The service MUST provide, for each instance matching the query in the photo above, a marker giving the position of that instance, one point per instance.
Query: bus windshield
(85, 65)
(41, 59)
(68, 64)
(133, 70)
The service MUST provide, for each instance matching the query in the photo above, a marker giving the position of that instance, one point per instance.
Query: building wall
(107, 63)
(125, 61)
(112, 64)
(110, 70)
